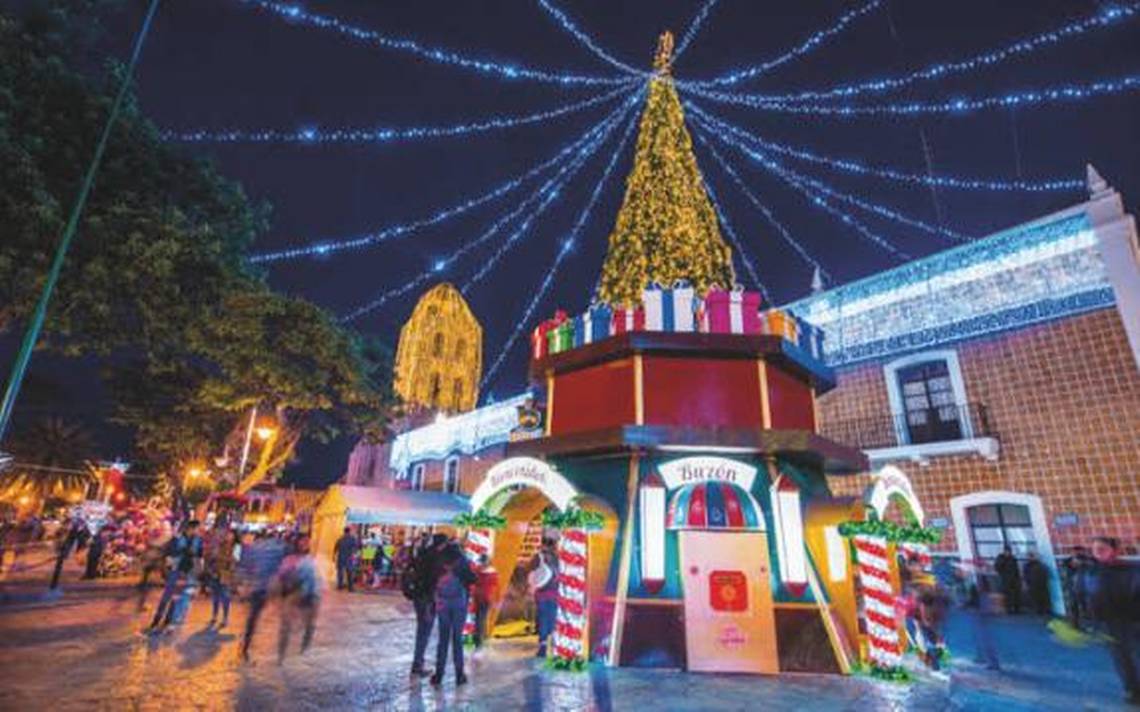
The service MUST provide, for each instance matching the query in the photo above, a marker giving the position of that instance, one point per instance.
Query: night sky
(218, 64)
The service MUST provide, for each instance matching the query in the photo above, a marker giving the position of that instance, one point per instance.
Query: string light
(390, 135)
(1073, 92)
(297, 14)
(569, 26)
(779, 226)
(733, 238)
(821, 187)
(567, 247)
(1104, 18)
(324, 248)
(544, 196)
(851, 166)
(819, 201)
(813, 41)
(694, 28)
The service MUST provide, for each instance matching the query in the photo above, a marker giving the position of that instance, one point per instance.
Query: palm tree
(50, 460)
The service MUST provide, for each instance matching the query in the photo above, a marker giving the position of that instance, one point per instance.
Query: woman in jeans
(221, 572)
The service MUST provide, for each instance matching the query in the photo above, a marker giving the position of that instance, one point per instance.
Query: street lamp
(265, 432)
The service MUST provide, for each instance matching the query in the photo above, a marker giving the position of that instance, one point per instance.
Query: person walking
(260, 561)
(986, 601)
(1010, 576)
(95, 554)
(1113, 597)
(543, 581)
(486, 592)
(345, 548)
(300, 595)
(220, 566)
(184, 558)
(452, 580)
(1037, 585)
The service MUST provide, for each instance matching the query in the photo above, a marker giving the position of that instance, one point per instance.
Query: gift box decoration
(781, 323)
(560, 338)
(810, 338)
(540, 344)
(592, 326)
(669, 309)
(735, 312)
(628, 319)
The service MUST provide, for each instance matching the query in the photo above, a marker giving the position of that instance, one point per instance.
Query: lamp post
(20, 367)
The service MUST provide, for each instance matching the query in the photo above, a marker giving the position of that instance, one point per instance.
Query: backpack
(449, 589)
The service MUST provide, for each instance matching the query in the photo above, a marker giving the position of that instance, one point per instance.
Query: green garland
(891, 531)
(573, 518)
(566, 664)
(480, 520)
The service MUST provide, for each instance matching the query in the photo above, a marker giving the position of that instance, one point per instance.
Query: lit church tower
(440, 357)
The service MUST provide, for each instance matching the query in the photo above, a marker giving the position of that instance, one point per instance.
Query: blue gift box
(592, 326)
(811, 339)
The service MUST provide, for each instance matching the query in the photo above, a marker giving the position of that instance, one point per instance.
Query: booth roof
(373, 505)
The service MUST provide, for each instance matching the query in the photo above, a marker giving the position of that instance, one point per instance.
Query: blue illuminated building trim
(984, 325)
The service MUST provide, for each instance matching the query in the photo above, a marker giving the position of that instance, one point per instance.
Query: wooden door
(729, 622)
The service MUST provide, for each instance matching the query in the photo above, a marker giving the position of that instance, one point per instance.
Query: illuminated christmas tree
(666, 229)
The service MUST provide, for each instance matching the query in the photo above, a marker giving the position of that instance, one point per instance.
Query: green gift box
(560, 338)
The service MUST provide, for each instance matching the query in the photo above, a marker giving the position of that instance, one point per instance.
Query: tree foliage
(156, 282)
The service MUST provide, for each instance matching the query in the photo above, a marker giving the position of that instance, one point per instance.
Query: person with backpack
(418, 586)
(453, 578)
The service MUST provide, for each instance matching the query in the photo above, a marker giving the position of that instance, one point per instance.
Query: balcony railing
(962, 421)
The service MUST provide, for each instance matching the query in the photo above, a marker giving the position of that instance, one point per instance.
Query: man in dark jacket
(1113, 591)
(184, 555)
(346, 547)
(1010, 576)
(1037, 585)
(424, 566)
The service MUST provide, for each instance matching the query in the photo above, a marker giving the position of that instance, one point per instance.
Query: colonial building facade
(440, 355)
(1003, 377)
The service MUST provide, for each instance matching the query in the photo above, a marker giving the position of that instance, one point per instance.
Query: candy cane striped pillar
(478, 543)
(570, 626)
(878, 600)
(921, 552)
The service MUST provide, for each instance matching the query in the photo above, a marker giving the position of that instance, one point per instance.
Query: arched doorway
(725, 574)
(520, 489)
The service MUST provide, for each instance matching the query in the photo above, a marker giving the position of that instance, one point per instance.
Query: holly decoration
(573, 518)
(891, 532)
(480, 520)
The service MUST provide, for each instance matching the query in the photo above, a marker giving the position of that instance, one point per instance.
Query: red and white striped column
(570, 625)
(878, 600)
(477, 544)
(919, 552)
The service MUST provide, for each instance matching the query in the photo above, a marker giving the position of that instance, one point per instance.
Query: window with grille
(996, 526)
(930, 411)
(451, 475)
(418, 477)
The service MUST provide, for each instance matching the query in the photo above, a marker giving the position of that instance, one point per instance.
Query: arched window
(451, 475)
(434, 399)
(418, 476)
(437, 345)
(457, 392)
(460, 348)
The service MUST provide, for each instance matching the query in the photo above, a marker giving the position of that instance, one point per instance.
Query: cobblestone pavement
(83, 651)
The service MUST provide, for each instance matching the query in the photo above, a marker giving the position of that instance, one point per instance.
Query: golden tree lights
(440, 356)
(666, 229)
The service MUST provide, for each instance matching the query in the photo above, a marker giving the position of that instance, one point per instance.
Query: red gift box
(628, 319)
(538, 340)
(735, 312)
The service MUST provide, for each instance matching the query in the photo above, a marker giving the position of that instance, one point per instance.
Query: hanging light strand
(533, 206)
(314, 136)
(324, 248)
(811, 43)
(721, 129)
(297, 14)
(694, 28)
(851, 166)
(563, 252)
(733, 238)
(964, 105)
(1106, 17)
(568, 25)
(780, 228)
(822, 203)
